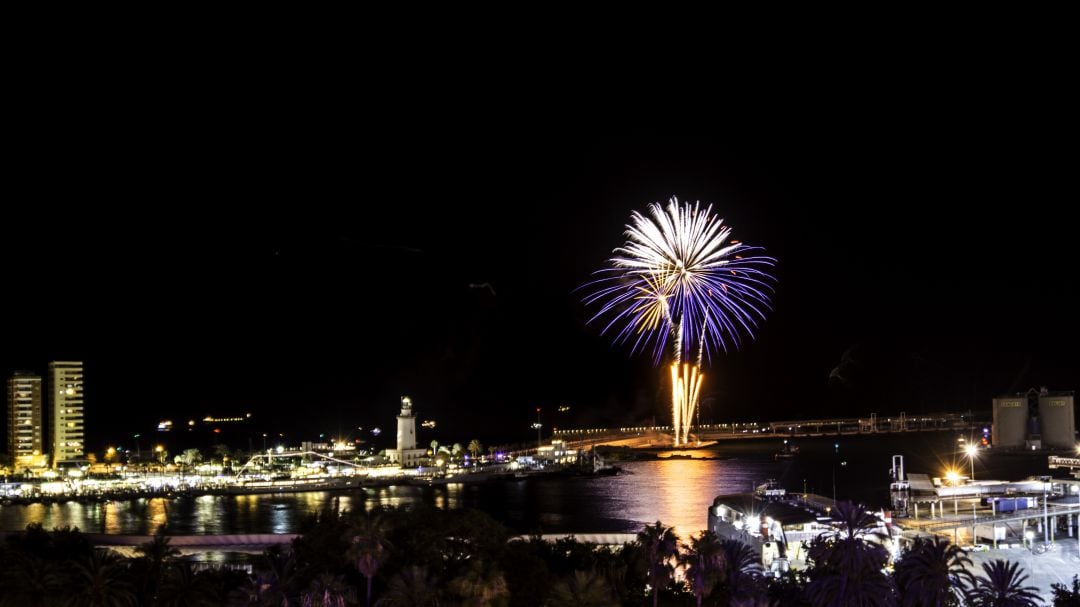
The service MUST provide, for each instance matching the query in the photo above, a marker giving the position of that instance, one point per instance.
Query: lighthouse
(406, 454)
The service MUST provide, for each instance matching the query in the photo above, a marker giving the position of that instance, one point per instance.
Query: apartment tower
(24, 414)
(66, 396)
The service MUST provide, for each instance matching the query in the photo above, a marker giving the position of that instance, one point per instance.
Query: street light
(537, 426)
(836, 452)
(349, 436)
(971, 451)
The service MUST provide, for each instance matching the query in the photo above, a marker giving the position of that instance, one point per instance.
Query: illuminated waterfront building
(66, 404)
(24, 434)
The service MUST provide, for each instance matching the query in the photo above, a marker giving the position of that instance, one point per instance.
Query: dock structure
(1038, 509)
(1072, 464)
(848, 426)
(875, 424)
(1034, 522)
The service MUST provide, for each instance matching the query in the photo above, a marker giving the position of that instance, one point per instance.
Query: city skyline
(911, 278)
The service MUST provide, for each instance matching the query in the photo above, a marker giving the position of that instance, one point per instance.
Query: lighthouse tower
(406, 454)
(406, 426)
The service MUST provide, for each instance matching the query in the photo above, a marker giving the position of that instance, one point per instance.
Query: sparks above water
(681, 279)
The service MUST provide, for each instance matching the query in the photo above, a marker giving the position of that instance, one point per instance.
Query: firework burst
(681, 281)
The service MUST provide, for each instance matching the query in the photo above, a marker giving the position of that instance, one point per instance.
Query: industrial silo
(1010, 421)
(1058, 420)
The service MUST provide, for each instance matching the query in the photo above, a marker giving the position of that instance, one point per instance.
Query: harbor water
(676, 489)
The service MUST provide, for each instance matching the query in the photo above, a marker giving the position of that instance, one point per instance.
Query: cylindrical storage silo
(1058, 421)
(1010, 421)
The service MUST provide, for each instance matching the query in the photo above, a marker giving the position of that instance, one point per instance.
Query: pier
(1033, 513)
(645, 436)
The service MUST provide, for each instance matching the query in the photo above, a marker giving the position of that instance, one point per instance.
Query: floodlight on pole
(971, 451)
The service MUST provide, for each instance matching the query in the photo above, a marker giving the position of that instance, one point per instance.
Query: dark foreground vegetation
(429, 557)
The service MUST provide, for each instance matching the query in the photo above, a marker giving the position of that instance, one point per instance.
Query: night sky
(310, 258)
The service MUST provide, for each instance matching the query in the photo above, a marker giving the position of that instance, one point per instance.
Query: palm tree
(788, 591)
(100, 581)
(158, 550)
(475, 448)
(661, 545)
(413, 587)
(273, 582)
(155, 554)
(848, 568)
(1065, 596)
(190, 458)
(28, 581)
(582, 589)
(70, 543)
(739, 579)
(929, 572)
(1001, 587)
(183, 587)
(262, 589)
(701, 564)
(221, 452)
(480, 586)
(328, 591)
(369, 547)
(272, 585)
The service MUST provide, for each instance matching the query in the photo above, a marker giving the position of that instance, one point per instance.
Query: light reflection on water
(157, 512)
(675, 491)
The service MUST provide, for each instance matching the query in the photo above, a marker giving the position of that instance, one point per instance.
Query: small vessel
(607, 471)
(770, 490)
(788, 452)
(251, 487)
(601, 467)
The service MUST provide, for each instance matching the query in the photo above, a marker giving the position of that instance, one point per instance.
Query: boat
(789, 451)
(607, 471)
(289, 486)
(435, 481)
(601, 468)
(770, 490)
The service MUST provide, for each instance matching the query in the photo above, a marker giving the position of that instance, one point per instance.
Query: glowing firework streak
(685, 392)
(681, 279)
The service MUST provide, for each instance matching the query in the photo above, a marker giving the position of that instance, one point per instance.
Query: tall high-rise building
(24, 414)
(66, 396)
